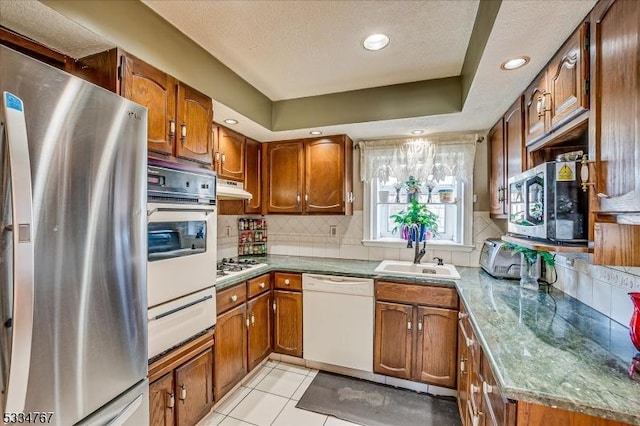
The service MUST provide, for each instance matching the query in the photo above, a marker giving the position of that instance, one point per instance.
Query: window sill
(431, 245)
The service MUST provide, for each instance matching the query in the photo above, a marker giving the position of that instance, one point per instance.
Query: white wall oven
(181, 253)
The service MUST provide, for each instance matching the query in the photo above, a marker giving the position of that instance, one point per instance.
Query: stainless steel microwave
(547, 203)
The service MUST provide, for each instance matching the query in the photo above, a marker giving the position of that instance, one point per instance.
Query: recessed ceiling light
(515, 63)
(315, 132)
(376, 42)
(231, 121)
(417, 132)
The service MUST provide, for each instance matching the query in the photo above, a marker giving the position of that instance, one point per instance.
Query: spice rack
(252, 236)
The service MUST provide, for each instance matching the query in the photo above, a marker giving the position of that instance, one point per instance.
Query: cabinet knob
(183, 131)
(287, 281)
(183, 393)
(262, 285)
(584, 175)
(408, 325)
(234, 298)
(172, 400)
(298, 199)
(217, 156)
(253, 320)
(487, 388)
(462, 315)
(247, 322)
(172, 128)
(223, 158)
(306, 198)
(419, 325)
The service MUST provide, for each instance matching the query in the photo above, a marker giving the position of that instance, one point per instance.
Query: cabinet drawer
(417, 294)
(288, 281)
(258, 285)
(231, 297)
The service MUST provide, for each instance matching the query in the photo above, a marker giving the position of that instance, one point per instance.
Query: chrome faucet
(415, 229)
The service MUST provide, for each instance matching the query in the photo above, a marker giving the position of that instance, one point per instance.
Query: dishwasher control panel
(337, 284)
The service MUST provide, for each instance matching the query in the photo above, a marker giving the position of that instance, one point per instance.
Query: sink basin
(433, 270)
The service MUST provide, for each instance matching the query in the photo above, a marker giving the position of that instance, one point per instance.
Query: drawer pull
(462, 315)
(253, 320)
(468, 341)
(262, 285)
(234, 298)
(183, 393)
(408, 325)
(487, 388)
(172, 401)
(287, 281)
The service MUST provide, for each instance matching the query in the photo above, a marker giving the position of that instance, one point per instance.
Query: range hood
(232, 190)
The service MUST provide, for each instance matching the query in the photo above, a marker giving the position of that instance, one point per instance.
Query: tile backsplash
(603, 288)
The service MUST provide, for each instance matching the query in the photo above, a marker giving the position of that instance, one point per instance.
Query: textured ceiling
(280, 61)
(292, 49)
(38, 22)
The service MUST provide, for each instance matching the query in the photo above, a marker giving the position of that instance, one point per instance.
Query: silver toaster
(497, 261)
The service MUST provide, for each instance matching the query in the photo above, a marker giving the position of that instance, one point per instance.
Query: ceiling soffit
(137, 29)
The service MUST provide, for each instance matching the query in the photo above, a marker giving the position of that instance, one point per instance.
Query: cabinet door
(536, 105)
(252, 176)
(229, 154)
(287, 322)
(156, 90)
(195, 123)
(393, 343)
(497, 188)
(259, 343)
(463, 373)
(514, 143)
(194, 390)
(436, 346)
(567, 76)
(285, 177)
(230, 350)
(498, 411)
(162, 401)
(617, 105)
(324, 175)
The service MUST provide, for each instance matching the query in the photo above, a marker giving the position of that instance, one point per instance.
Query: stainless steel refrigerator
(73, 249)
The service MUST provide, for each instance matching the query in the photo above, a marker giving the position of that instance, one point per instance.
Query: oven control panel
(180, 185)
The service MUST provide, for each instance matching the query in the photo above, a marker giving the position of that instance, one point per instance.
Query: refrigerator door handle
(128, 411)
(23, 256)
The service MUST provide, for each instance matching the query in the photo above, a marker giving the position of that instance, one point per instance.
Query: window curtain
(425, 158)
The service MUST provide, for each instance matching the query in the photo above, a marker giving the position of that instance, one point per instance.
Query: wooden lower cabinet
(230, 350)
(181, 384)
(416, 342)
(436, 346)
(393, 345)
(463, 371)
(287, 322)
(162, 401)
(194, 389)
(259, 331)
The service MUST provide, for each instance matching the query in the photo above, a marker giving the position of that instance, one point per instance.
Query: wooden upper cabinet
(252, 176)
(436, 346)
(568, 76)
(393, 344)
(536, 104)
(194, 125)
(514, 141)
(617, 108)
(194, 389)
(287, 322)
(497, 189)
(156, 90)
(162, 401)
(328, 175)
(229, 154)
(35, 50)
(285, 177)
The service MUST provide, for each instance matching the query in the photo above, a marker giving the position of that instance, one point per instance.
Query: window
(443, 169)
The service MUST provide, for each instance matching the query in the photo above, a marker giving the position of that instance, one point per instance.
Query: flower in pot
(416, 216)
(529, 272)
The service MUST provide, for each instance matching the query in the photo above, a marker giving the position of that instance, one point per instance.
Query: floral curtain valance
(426, 158)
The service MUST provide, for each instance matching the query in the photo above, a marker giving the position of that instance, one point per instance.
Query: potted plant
(418, 216)
(529, 272)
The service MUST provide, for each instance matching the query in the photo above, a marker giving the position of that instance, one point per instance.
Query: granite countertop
(543, 347)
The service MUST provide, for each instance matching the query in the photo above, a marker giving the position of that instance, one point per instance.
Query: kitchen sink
(432, 270)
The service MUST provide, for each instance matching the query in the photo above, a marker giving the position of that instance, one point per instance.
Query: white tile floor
(269, 398)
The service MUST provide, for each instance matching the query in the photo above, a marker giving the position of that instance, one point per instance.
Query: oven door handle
(179, 308)
(175, 209)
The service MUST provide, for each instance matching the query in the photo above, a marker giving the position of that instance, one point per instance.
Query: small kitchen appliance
(547, 203)
(498, 261)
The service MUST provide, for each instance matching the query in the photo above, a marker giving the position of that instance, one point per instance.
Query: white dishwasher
(338, 314)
